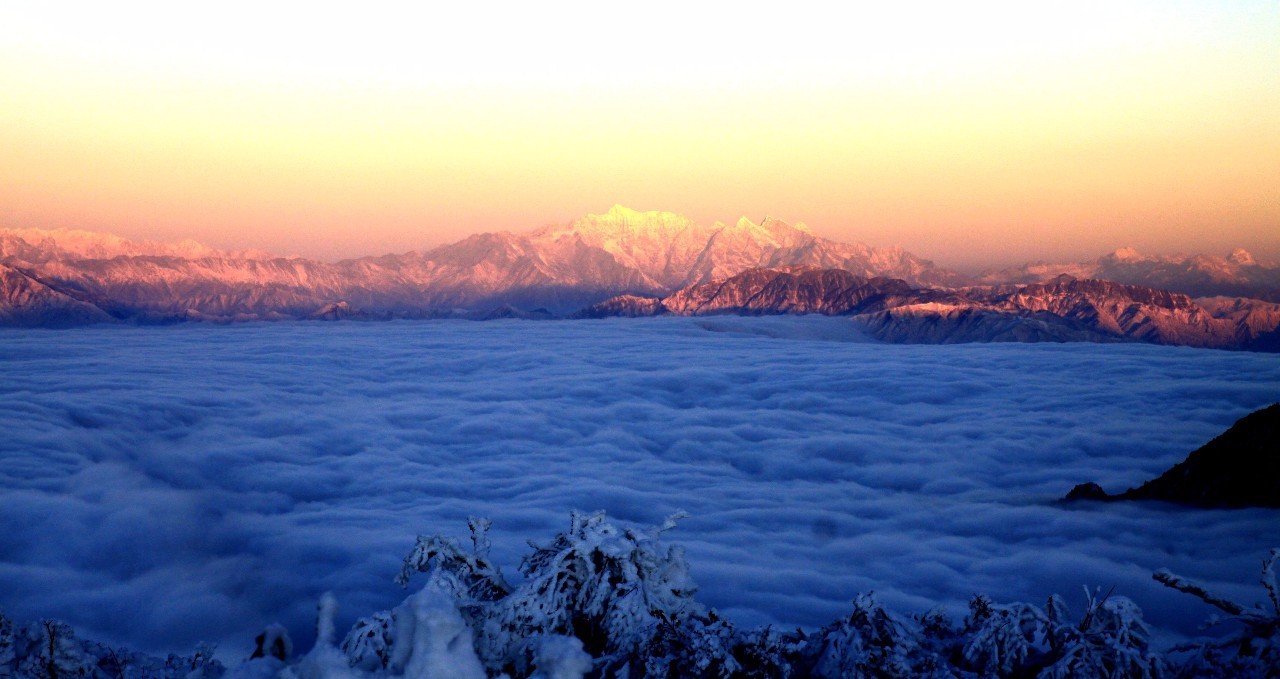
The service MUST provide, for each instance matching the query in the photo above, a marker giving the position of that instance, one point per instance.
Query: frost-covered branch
(1165, 577)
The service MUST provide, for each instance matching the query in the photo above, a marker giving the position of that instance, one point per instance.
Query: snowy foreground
(606, 602)
(166, 486)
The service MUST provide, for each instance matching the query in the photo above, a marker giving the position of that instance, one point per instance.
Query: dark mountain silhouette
(1239, 468)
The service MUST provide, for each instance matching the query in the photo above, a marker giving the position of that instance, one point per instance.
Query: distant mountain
(35, 246)
(624, 262)
(1064, 309)
(1067, 309)
(555, 268)
(1236, 275)
(1239, 468)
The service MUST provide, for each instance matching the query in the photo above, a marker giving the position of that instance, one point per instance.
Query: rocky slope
(1063, 310)
(1239, 468)
(1236, 275)
(558, 268)
(25, 301)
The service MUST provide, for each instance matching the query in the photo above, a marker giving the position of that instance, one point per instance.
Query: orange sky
(969, 133)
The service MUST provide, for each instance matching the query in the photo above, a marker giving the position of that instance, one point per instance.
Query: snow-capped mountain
(1238, 274)
(624, 262)
(560, 268)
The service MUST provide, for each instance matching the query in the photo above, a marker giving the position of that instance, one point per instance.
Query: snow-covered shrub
(692, 646)
(429, 640)
(941, 641)
(998, 639)
(871, 642)
(604, 586)
(1111, 640)
(708, 646)
(199, 665)
(765, 652)
(468, 576)
(601, 601)
(368, 644)
(51, 650)
(1252, 649)
(596, 582)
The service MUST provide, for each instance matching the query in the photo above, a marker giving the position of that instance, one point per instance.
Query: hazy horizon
(975, 136)
(972, 266)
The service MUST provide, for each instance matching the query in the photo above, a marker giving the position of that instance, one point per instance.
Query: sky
(156, 502)
(970, 133)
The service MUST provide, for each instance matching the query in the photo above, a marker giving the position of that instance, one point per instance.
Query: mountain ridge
(891, 310)
(629, 262)
(559, 267)
(1238, 274)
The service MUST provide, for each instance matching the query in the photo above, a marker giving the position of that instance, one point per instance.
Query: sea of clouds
(165, 485)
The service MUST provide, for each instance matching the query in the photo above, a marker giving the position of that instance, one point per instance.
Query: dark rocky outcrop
(1239, 468)
(623, 306)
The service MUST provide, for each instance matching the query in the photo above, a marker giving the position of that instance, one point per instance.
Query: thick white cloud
(160, 486)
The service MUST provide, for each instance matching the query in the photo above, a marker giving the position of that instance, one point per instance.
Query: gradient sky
(970, 133)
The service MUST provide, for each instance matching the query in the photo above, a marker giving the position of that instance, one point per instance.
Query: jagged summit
(626, 215)
(1242, 257)
(1126, 254)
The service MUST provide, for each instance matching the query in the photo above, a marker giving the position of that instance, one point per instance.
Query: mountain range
(1062, 310)
(559, 268)
(1236, 275)
(624, 262)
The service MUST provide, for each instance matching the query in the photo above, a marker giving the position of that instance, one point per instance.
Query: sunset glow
(969, 134)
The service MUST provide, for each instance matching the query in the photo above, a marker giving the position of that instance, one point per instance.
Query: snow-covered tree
(54, 652)
(601, 584)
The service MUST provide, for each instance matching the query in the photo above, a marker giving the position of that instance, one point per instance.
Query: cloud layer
(160, 486)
